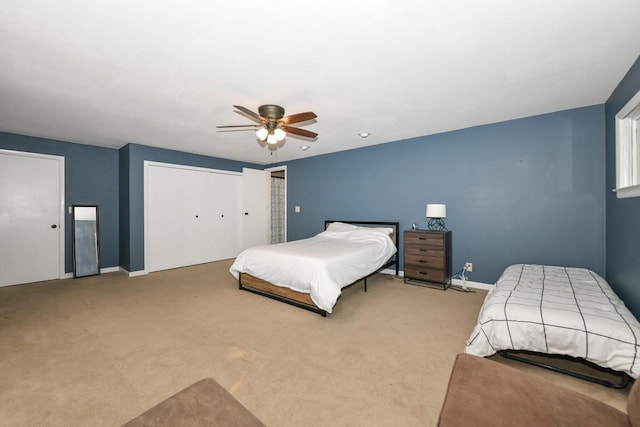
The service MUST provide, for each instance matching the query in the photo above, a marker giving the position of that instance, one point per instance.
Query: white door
(196, 216)
(31, 218)
(164, 246)
(192, 216)
(256, 207)
(225, 210)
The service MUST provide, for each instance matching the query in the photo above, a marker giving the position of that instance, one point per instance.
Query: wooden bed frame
(258, 286)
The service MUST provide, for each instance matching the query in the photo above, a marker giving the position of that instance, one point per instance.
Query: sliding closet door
(226, 205)
(165, 243)
(196, 217)
(192, 216)
(256, 207)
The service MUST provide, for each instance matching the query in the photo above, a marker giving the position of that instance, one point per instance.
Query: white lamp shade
(436, 211)
(271, 139)
(280, 134)
(262, 133)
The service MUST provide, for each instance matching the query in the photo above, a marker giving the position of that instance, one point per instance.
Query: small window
(628, 149)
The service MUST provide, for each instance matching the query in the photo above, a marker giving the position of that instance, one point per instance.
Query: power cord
(460, 276)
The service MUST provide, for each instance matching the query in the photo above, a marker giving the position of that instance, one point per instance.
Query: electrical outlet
(468, 266)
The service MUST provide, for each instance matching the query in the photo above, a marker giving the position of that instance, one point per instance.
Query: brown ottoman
(486, 393)
(204, 403)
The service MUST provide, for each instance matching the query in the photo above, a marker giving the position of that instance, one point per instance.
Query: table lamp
(435, 213)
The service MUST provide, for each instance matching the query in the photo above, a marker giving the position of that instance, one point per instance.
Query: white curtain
(277, 210)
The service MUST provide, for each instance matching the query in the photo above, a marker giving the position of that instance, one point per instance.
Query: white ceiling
(165, 73)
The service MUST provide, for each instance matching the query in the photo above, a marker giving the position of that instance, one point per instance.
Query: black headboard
(393, 225)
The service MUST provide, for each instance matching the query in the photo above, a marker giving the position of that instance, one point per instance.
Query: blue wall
(528, 190)
(623, 215)
(124, 255)
(91, 178)
(132, 159)
(114, 180)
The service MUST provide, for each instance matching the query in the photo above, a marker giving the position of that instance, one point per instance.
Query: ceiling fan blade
(300, 132)
(251, 114)
(237, 126)
(300, 117)
(235, 130)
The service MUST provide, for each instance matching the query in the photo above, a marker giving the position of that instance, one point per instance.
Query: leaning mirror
(86, 254)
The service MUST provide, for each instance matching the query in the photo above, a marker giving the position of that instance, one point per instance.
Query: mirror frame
(97, 245)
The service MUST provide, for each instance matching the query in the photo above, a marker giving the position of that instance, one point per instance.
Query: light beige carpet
(100, 350)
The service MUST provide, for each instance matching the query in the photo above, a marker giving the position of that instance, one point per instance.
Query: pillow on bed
(387, 231)
(341, 226)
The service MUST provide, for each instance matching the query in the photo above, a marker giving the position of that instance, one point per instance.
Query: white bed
(322, 265)
(559, 311)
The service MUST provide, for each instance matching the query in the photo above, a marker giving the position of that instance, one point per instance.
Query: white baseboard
(132, 273)
(475, 285)
(102, 271)
(458, 282)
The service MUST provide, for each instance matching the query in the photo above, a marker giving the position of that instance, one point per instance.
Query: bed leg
(365, 284)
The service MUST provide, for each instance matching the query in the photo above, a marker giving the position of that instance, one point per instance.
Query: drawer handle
(422, 238)
(423, 273)
(424, 250)
(422, 261)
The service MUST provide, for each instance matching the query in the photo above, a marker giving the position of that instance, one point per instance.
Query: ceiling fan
(272, 125)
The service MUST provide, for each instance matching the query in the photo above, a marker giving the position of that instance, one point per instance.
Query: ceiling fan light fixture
(280, 134)
(272, 127)
(271, 111)
(262, 134)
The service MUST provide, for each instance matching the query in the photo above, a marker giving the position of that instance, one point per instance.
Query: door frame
(286, 199)
(61, 203)
(150, 163)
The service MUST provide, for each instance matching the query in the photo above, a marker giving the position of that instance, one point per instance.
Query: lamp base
(436, 224)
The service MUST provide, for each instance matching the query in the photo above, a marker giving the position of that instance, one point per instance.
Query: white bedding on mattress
(558, 310)
(321, 265)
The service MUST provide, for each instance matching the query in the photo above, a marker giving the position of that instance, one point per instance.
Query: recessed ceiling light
(304, 147)
(364, 134)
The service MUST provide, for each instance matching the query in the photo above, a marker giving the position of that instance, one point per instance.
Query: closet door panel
(226, 213)
(196, 217)
(165, 218)
(256, 208)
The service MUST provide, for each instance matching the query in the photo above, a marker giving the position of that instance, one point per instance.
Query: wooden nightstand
(427, 258)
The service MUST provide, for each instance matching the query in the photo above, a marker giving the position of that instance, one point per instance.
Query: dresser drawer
(428, 274)
(423, 251)
(426, 239)
(423, 261)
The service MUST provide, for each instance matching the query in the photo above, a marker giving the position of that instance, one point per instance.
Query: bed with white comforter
(321, 265)
(561, 311)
